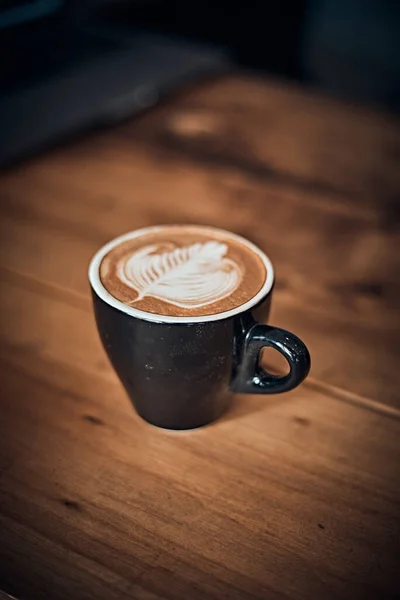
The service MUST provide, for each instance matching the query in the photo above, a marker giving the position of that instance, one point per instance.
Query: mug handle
(250, 378)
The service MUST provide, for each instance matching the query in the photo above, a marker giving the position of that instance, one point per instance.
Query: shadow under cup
(182, 375)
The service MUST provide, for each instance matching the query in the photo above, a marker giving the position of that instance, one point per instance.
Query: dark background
(349, 48)
(346, 48)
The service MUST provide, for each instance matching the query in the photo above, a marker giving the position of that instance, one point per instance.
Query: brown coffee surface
(183, 271)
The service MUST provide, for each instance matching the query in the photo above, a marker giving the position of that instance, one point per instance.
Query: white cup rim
(103, 294)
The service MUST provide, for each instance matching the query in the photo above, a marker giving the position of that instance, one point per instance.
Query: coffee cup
(177, 308)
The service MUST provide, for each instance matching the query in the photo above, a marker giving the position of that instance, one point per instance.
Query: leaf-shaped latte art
(189, 277)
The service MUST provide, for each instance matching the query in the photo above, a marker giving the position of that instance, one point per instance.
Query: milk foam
(181, 274)
(189, 277)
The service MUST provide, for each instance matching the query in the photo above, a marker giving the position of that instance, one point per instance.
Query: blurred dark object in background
(261, 35)
(65, 72)
(74, 63)
(352, 49)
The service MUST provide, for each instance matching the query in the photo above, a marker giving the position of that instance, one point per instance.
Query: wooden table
(292, 497)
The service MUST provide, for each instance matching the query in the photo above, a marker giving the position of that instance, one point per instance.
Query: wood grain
(337, 274)
(284, 497)
(288, 497)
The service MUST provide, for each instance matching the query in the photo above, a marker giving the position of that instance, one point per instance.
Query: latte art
(181, 272)
(188, 277)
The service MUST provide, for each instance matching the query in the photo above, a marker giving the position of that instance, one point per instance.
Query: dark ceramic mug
(180, 372)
